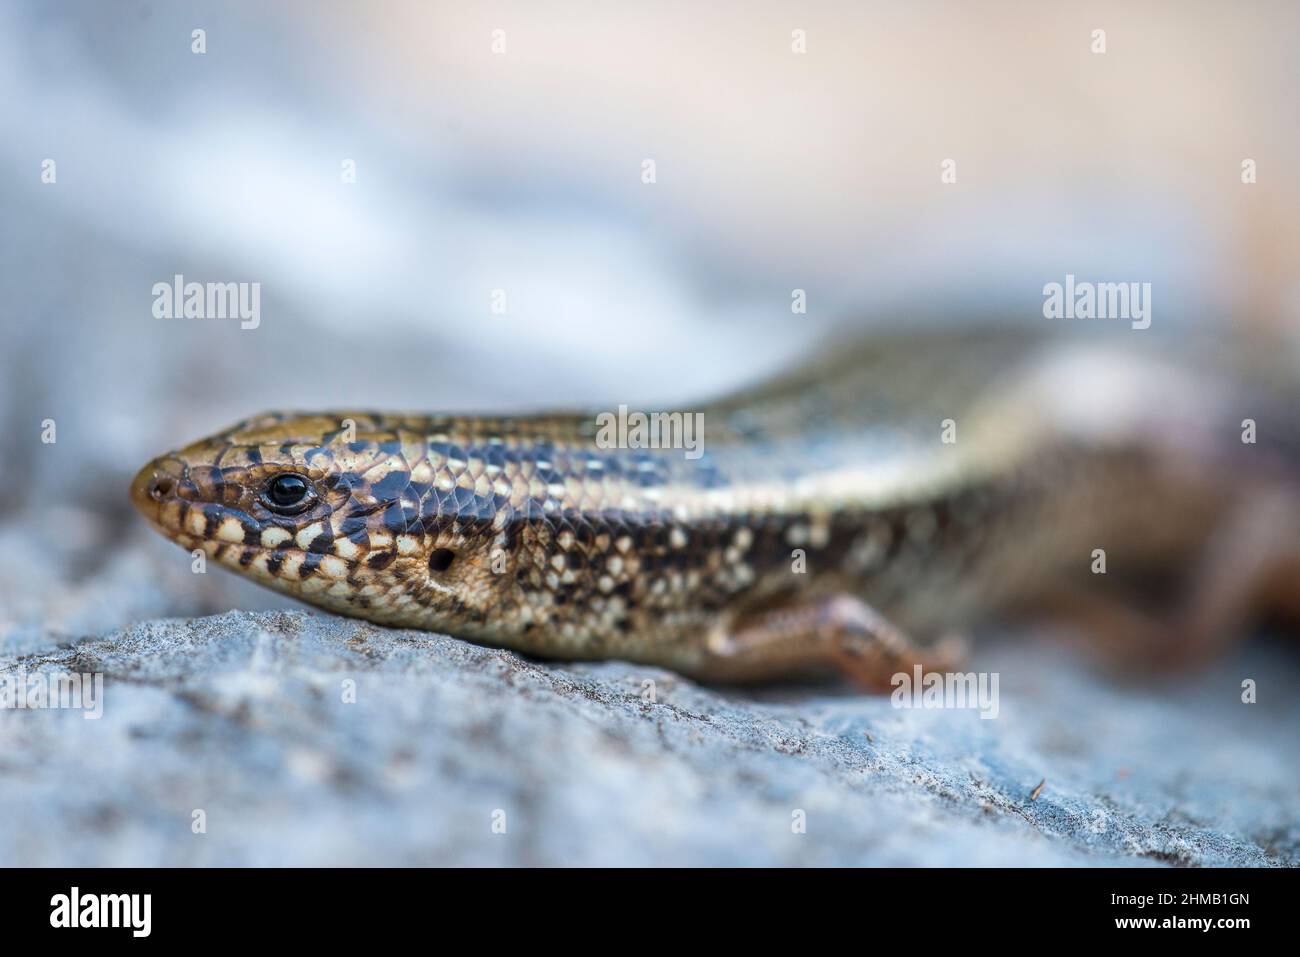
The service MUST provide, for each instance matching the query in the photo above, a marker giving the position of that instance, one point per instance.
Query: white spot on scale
(333, 567)
(273, 537)
(291, 566)
(307, 535)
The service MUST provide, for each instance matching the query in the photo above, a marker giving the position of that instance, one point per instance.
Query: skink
(846, 515)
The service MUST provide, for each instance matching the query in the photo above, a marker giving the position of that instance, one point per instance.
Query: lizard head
(353, 512)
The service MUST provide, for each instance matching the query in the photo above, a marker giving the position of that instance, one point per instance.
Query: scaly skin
(522, 532)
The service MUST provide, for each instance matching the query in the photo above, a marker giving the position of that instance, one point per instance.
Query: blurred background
(502, 146)
(522, 171)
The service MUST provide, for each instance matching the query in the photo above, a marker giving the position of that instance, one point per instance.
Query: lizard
(859, 514)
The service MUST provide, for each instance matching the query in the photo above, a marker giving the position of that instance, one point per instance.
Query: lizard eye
(288, 494)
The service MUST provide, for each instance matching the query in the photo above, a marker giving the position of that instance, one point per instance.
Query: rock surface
(250, 719)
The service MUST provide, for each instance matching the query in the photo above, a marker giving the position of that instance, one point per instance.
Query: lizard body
(915, 486)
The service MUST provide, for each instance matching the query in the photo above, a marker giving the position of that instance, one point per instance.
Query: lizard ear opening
(440, 560)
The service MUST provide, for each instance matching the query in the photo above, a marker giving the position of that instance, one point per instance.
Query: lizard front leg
(840, 632)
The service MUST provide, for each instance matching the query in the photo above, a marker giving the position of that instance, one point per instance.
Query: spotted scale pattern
(524, 532)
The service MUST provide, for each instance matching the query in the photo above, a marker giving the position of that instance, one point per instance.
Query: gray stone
(243, 716)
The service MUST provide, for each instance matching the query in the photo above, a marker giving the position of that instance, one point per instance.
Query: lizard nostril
(160, 487)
